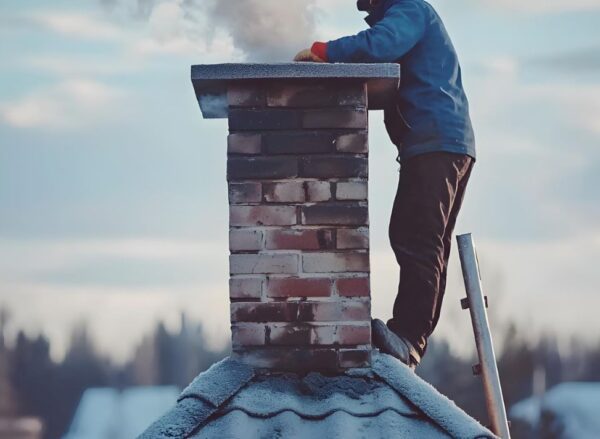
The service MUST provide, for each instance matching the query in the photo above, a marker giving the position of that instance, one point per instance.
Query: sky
(113, 198)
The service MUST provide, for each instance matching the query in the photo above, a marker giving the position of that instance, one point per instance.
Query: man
(429, 123)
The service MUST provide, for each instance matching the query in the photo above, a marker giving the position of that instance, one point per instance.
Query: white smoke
(267, 30)
(263, 30)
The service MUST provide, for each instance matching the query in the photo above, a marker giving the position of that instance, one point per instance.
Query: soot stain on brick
(325, 239)
(294, 335)
(306, 312)
(267, 334)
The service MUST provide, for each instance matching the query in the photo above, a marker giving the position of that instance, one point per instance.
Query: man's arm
(399, 31)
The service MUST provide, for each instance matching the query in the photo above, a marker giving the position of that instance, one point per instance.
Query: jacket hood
(378, 13)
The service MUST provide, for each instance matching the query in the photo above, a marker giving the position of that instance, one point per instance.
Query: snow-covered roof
(232, 400)
(569, 410)
(109, 413)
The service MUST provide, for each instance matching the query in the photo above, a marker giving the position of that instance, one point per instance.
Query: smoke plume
(263, 30)
(267, 30)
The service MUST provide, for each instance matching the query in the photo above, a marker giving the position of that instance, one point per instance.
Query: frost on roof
(180, 421)
(339, 425)
(231, 400)
(317, 396)
(201, 399)
(220, 382)
(422, 394)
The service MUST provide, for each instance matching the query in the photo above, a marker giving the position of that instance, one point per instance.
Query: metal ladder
(476, 303)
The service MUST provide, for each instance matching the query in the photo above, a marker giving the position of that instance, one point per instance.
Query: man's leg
(420, 230)
(460, 195)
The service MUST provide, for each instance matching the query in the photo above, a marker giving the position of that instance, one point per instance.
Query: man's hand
(307, 55)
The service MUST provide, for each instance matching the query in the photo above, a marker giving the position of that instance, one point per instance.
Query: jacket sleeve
(399, 31)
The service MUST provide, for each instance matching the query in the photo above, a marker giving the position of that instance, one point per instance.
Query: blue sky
(113, 202)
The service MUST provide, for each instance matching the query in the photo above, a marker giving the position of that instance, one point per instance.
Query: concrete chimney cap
(211, 80)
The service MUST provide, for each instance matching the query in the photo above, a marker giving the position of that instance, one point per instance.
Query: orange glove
(317, 53)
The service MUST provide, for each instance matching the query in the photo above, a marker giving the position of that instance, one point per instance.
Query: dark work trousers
(430, 195)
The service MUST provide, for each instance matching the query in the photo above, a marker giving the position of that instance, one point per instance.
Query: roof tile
(440, 409)
(181, 421)
(219, 383)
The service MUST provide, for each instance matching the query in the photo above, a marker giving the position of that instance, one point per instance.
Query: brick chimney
(297, 168)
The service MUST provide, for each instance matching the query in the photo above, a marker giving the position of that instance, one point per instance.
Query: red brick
(351, 335)
(245, 193)
(299, 287)
(356, 143)
(290, 335)
(264, 312)
(286, 192)
(262, 215)
(310, 334)
(244, 143)
(287, 94)
(351, 190)
(274, 312)
(291, 239)
(301, 360)
(335, 262)
(350, 239)
(266, 119)
(263, 264)
(335, 118)
(299, 142)
(261, 168)
(353, 287)
(245, 95)
(245, 240)
(354, 358)
(339, 166)
(247, 335)
(336, 214)
(334, 311)
(318, 191)
(245, 288)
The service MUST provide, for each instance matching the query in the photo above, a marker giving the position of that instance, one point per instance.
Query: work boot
(389, 343)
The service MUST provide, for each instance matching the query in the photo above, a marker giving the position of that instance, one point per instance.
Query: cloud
(73, 66)
(118, 311)
(570, 106)
(67, 105)
(580, 60)
(140, 9)
(117, 317)
(547, 278)
(56, 256)
(581, 104)
(543, 6)
(173, 30)
(78, 25)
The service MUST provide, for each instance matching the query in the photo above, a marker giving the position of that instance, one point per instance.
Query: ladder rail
(477, 303)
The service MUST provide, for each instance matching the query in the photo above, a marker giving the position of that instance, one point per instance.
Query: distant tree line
(51, 390)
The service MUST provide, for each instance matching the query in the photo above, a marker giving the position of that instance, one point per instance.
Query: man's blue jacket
(431, 112)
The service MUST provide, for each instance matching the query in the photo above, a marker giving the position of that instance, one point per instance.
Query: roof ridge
(201, 399)
(440, 409)
(211, 385)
